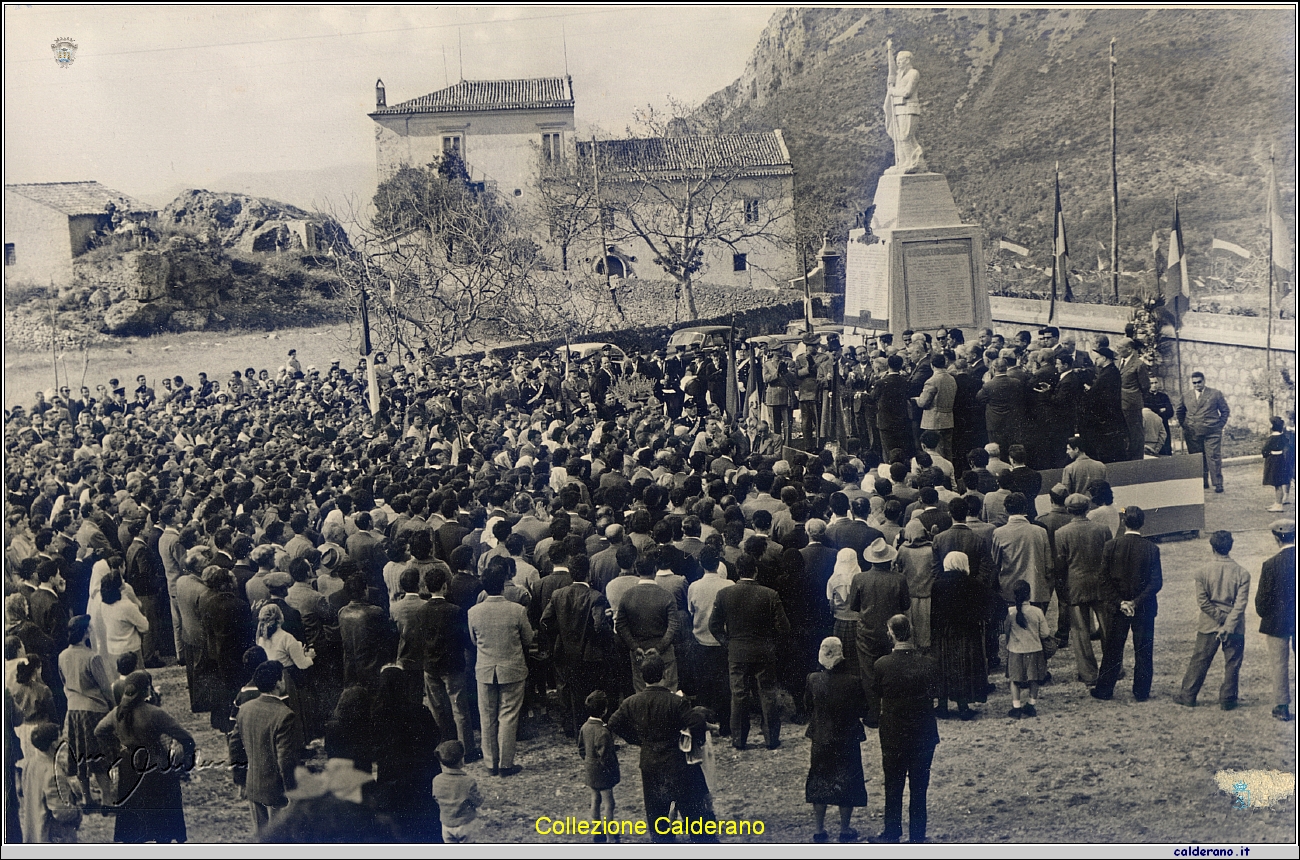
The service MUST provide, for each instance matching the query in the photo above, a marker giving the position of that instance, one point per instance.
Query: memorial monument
(916, 266)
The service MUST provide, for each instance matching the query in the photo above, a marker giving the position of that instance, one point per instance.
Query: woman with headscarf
(281, 645)
(148, 804)
(916, 562)
(957, 613)
(838, 590)
(836, 706)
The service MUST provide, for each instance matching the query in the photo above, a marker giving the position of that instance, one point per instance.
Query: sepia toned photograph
(729, 425)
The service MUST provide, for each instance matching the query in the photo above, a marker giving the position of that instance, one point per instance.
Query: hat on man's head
(1282, 527)
(1077, 503)
(879, 552)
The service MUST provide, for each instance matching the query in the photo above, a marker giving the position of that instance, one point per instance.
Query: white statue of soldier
(902, 110)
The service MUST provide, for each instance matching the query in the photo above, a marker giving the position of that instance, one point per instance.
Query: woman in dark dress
(835, 705)
(957, 613)
(148, 802)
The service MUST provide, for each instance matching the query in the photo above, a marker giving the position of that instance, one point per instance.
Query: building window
(607, 217)
(552, 147)
(739, 262)
(11, 259)
(451, 143)
(751, 210)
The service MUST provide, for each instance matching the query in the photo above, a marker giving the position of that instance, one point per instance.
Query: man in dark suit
(850, 530)
(749, 620)
(440, 637)
(1135, 385)
(1003, 398)
(1275, 603)
(653, 719)
(1203, 416)
(907, 683)
(646, 619)
(1024, 479)
(266, 741)
(577, 621)
(818, 565)
(1131, 568)
(889, 393)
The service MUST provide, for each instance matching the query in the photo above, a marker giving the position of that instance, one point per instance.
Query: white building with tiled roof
(737, 187)
(47, 224)
(509, 132)
(500, 129)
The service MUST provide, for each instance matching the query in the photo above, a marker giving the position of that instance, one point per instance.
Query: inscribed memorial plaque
(938, 282)
(866, 285)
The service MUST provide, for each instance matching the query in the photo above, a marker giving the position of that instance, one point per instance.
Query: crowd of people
(502, 543)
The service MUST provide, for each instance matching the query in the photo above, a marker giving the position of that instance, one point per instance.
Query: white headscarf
(957, 561)
(831, 653)
(837, 587)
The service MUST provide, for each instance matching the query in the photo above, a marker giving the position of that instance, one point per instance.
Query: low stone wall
(1230, 350)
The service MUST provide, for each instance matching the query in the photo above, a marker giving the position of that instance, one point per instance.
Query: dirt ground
(1083, 771)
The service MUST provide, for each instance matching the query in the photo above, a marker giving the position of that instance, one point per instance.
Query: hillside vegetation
(1202, 96)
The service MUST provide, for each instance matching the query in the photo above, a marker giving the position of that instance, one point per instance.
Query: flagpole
(1268, 338)
(1114, 185)
(1178, 307)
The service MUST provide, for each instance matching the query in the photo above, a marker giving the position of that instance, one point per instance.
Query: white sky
(160, 97)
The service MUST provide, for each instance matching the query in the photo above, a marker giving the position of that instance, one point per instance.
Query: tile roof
(761, 154)
(489, 95)
(78, 198)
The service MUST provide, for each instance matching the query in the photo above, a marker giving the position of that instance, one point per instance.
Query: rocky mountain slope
(1006, 93)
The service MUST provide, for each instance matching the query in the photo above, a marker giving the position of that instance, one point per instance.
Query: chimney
(381, 100)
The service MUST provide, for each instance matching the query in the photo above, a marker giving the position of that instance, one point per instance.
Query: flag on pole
(1279, 237)
(733, 389)
(753, 399)
(1178, 291)
(1060, 256)
(1221, 245)
(365, 324)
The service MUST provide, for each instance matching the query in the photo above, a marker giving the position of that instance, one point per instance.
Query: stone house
(47, 224)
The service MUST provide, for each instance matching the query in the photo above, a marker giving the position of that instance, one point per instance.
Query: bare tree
(441, 261)
(683, 192)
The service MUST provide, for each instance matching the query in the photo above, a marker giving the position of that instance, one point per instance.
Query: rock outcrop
(251, 224)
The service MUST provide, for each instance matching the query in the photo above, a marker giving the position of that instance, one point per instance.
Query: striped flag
(1178, 291)
(1279, 238)
(1060, 255)
(1231, 248)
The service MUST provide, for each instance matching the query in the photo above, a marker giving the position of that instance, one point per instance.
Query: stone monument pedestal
(920, 267)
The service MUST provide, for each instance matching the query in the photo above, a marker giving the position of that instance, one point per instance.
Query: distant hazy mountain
(1202, 94)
